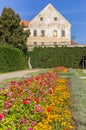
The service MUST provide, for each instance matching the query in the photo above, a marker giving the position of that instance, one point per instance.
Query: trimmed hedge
(12, 59)
(48, 57)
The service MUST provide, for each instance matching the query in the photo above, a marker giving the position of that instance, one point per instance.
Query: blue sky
(73, 10)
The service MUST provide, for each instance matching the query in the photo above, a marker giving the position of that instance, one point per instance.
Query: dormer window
(55, 18)
(41, 18)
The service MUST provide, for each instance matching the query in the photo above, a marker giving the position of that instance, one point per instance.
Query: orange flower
(48, 109)
(51, 91)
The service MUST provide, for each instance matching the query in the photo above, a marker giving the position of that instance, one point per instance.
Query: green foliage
(59, 56)
(11, 59)
(11, 32)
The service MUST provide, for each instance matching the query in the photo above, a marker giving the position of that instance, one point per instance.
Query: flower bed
(60, 69)
(36, 103)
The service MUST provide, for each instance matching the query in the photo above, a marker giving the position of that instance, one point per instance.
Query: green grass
(79, 72)
(40, 71)
(84, 80)
(78, 96)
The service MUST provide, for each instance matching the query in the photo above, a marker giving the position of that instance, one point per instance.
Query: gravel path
(84, 71)
(20, 74)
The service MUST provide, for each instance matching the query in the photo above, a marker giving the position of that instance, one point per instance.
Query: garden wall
(58, 56)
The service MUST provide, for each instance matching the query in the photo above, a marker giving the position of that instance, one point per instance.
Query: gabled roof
(51, 8)
(24, 23)
(73, 43)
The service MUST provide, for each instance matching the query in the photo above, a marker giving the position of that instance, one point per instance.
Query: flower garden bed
(36, 103)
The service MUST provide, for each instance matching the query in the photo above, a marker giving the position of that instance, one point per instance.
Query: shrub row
(11, 59)
(58, 56)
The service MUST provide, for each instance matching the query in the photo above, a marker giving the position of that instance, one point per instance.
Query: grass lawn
(79, 72)
(38, 72)
(84, 80)
(78, 92)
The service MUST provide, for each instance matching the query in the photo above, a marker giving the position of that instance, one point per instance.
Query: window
(42, 43)
(35, 33)
(55, 33)
(41, 18)
(35, 43)
(55, 18)
(42, 33)
(63, 33)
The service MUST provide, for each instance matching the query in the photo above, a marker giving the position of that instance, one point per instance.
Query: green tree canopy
(11, 32)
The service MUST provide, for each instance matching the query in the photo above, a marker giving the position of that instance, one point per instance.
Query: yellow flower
(57, 109)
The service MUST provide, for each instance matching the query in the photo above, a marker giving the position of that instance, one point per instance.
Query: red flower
(30, 129)
(7, 104)
(39, 108)
(20, 83)
(24, 122)
(12, 82)
(26, 101)
(8, 129)
(1, 116)
(36, 100)
(34, 123)
(30, 97)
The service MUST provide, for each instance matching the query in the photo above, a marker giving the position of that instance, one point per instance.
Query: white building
(49, 28)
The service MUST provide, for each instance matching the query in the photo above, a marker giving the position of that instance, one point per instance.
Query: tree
(11, 32)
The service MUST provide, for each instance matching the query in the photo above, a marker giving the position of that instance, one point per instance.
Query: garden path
(84, 70)
(16, 74)
(83, 77)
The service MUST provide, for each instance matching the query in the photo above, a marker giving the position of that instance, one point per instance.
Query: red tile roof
(25, 23)
(73, 43)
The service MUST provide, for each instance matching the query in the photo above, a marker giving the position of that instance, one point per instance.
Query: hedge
(12, 59)
(48, 57)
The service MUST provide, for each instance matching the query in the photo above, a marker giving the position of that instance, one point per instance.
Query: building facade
(49, 28)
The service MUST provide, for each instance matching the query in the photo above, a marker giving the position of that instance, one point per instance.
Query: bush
(12, 59)
(59, 56)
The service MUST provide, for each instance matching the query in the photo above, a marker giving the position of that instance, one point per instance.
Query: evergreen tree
(11, 32)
